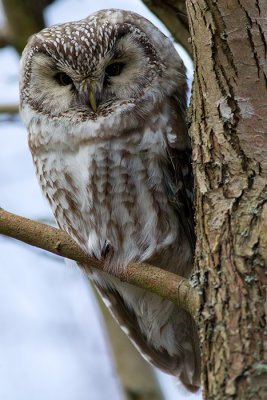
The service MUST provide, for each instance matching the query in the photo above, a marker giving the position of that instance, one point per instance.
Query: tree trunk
(230, 163)
(228, 129)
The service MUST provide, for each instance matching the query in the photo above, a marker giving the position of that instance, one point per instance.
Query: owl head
(109, 62)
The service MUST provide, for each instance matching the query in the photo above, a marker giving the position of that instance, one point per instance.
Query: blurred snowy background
(53, 343)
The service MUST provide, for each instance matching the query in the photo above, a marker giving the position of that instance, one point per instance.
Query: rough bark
(229, 111)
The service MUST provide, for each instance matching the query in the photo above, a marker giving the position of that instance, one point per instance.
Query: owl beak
(92, 98)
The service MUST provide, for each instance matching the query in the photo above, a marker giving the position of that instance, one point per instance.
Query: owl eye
(114, 69)
(63, 79)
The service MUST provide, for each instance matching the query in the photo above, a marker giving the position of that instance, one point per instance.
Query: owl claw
(105, 251)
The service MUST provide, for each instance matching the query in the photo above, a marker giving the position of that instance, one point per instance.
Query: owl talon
(105, 251)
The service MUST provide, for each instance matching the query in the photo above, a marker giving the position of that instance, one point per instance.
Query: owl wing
(179, 190)
(179, 180)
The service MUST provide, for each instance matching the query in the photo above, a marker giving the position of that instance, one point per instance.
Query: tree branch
(165, 284)
(9, 108)
(173, 14)
(4, 38)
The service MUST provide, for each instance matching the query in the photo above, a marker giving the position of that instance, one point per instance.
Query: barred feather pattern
(118, 178)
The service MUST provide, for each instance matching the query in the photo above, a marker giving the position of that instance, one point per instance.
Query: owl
(103, 100)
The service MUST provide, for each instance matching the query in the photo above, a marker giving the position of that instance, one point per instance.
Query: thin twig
(166, 284)
(9, 109)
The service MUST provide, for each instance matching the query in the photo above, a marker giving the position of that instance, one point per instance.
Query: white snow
(9, 81)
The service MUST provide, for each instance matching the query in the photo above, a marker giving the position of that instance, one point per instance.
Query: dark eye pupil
(63, 79)
(114, 69)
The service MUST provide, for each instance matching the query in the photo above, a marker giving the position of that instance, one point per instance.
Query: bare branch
(165, 284)
(4, 38)
(9, 109)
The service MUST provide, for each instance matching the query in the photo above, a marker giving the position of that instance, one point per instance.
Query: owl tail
(184, 364)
